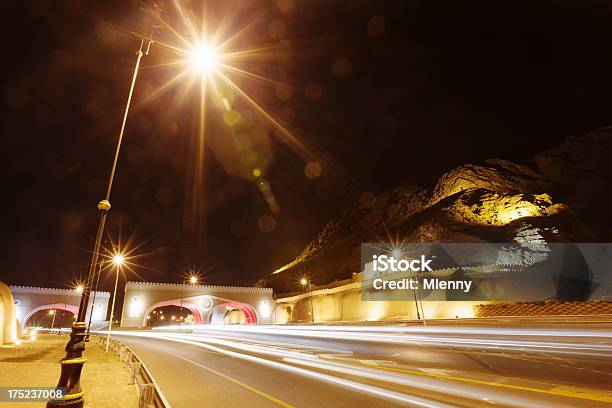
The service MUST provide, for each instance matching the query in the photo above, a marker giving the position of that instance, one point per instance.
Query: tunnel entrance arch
(224, 311)
(56, 306)
(195, 311)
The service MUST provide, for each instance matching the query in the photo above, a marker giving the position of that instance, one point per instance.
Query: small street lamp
(193, 279)
(306, 283)
(118, 260)
(53, 313)
(93, 301)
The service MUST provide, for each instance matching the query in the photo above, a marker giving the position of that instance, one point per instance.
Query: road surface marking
(574, 392)
(385, 393)
(248, 387)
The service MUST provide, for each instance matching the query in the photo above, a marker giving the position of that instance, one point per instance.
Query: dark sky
(383, 94)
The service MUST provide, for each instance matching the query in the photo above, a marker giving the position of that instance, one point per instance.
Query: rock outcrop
(561, 195)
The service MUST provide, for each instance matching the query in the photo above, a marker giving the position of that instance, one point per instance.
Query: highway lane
(384, 366)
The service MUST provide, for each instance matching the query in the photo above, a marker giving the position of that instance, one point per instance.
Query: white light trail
(365, 388)
(375, 335)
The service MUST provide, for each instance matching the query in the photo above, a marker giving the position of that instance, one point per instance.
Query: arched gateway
(29, 300)
(206, 303)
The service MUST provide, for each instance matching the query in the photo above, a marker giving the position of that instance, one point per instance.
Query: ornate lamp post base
(72, 364)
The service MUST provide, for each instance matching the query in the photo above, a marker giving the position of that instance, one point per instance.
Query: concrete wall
(344, 304)
(30, 299)
(550, 308)
(141, 297)
(8, 319)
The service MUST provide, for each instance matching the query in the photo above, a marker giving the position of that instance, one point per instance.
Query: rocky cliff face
(561, 195)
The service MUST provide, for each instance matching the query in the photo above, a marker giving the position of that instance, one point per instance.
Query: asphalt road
(381, 366)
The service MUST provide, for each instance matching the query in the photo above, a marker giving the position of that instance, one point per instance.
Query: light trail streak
(403, 377)
(578, 349)
(365, 388)
(408, 378)
(415, 329)
(240, 383)
(419, 383)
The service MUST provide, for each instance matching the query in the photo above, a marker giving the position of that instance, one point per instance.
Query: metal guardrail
(149, 394)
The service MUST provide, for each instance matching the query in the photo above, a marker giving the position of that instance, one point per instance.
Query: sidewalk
(35, 364)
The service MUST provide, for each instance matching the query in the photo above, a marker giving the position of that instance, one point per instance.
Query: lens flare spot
(313, 170)
(285, 5)
(376, 26)
(341, 68)
(313, 91)
(266, 223)
(231, 118)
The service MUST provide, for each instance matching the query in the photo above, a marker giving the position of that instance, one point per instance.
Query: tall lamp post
(72, 363)
(118, 260)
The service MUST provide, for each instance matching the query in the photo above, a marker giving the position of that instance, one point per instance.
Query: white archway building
(8, 316)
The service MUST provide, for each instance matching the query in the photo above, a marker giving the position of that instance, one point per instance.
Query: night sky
(382, 93)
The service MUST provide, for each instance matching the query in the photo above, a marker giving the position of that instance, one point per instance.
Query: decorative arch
(58, 306)
(250, 315)
(197, 314)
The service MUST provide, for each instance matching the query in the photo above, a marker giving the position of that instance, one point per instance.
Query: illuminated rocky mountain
(561, 195)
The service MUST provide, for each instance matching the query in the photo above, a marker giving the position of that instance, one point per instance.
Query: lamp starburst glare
(118, 259)
(204, 59)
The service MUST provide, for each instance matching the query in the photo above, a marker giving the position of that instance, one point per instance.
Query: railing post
(147, 392)
(136, 367)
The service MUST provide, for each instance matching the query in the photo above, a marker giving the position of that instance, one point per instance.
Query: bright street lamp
(79, 288)
(204, 59)
(118, 260)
